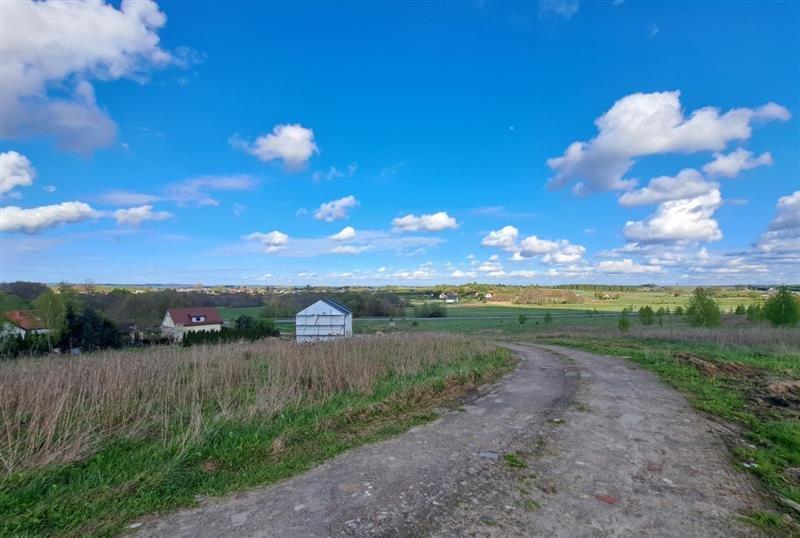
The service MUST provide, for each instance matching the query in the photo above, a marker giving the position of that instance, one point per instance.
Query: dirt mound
(784, 393)
(718, 368)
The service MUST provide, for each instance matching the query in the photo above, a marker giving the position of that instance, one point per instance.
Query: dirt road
(569, 444)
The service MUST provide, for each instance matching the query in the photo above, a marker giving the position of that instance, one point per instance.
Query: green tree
(646, 315)
(678, 310)
(753, 312)
(50, 308)
(782, 308)
(624, 323)
(740, 310)
(522, 319)
(702, 310)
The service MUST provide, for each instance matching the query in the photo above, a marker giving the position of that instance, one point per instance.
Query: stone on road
(569, 444)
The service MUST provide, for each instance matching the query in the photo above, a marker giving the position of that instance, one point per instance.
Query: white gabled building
(179, 321)
(326, 319)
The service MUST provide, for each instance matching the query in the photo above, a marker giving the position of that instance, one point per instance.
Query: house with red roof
(179, 321)
(22, 323)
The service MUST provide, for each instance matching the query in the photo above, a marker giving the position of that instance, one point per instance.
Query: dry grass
(751, 336)
(62, 409)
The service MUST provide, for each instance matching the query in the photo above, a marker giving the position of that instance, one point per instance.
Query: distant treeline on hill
(146, 309)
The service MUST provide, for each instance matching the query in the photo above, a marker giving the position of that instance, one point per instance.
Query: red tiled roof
(183, 316)
(25, 319)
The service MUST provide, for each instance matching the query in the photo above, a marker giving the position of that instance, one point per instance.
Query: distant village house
(22, 323)
(179, 321)
(327, 319)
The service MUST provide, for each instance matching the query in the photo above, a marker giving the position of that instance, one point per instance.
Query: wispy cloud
(191, 192)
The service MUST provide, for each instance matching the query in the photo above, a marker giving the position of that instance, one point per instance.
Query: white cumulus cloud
(689, 183)
(346, 233)
(16, 219)
(729, 165)
(65, 44)
(15, 171)
(272, 241)
(336, 209)
(435, 222)
(504, 238)
(680, 220)
(134, 216)
(291, 143)
(648, 124)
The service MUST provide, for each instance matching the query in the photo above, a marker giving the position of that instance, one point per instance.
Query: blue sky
(337, 143)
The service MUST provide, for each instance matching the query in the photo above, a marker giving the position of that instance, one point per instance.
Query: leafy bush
(754, 312)
(243, 330)
(522, 319)
(548, 318)
(430, 310)
(740, 310)
(678, 310)
(702, 310)
(646, 315)
(782, 309)
(16, 346)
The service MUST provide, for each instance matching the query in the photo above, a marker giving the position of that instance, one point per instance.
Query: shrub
(522, 319)
(261, 329)
(548, 319)
(624, 323)
(646, 315)
(430, 310)
(702, 310)
(678, 310)
(782, 309)
(740, 310)
(754, 312)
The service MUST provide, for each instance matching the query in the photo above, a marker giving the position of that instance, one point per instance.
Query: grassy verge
(128, 477)
(746, 388)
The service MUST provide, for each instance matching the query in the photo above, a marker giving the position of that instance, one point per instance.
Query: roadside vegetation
(92, 442)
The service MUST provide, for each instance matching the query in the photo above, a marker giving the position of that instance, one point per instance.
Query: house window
(198, 319)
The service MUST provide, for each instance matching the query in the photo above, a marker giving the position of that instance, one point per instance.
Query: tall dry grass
(757, 337)
(62, 409)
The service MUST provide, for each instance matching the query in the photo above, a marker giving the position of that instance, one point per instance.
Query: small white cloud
(349, 249)
(505, 238)
(734, 162)
(653, 30)
(558, 8)
(627, 266)
(273, 241)
(16, 219)
(49, 188)
(292, 143)
(15, 171)
(435, 222)
(463, 274)
(346, 233)
(134, 216)
(336, 209)
(238, 210)
(335, 173)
